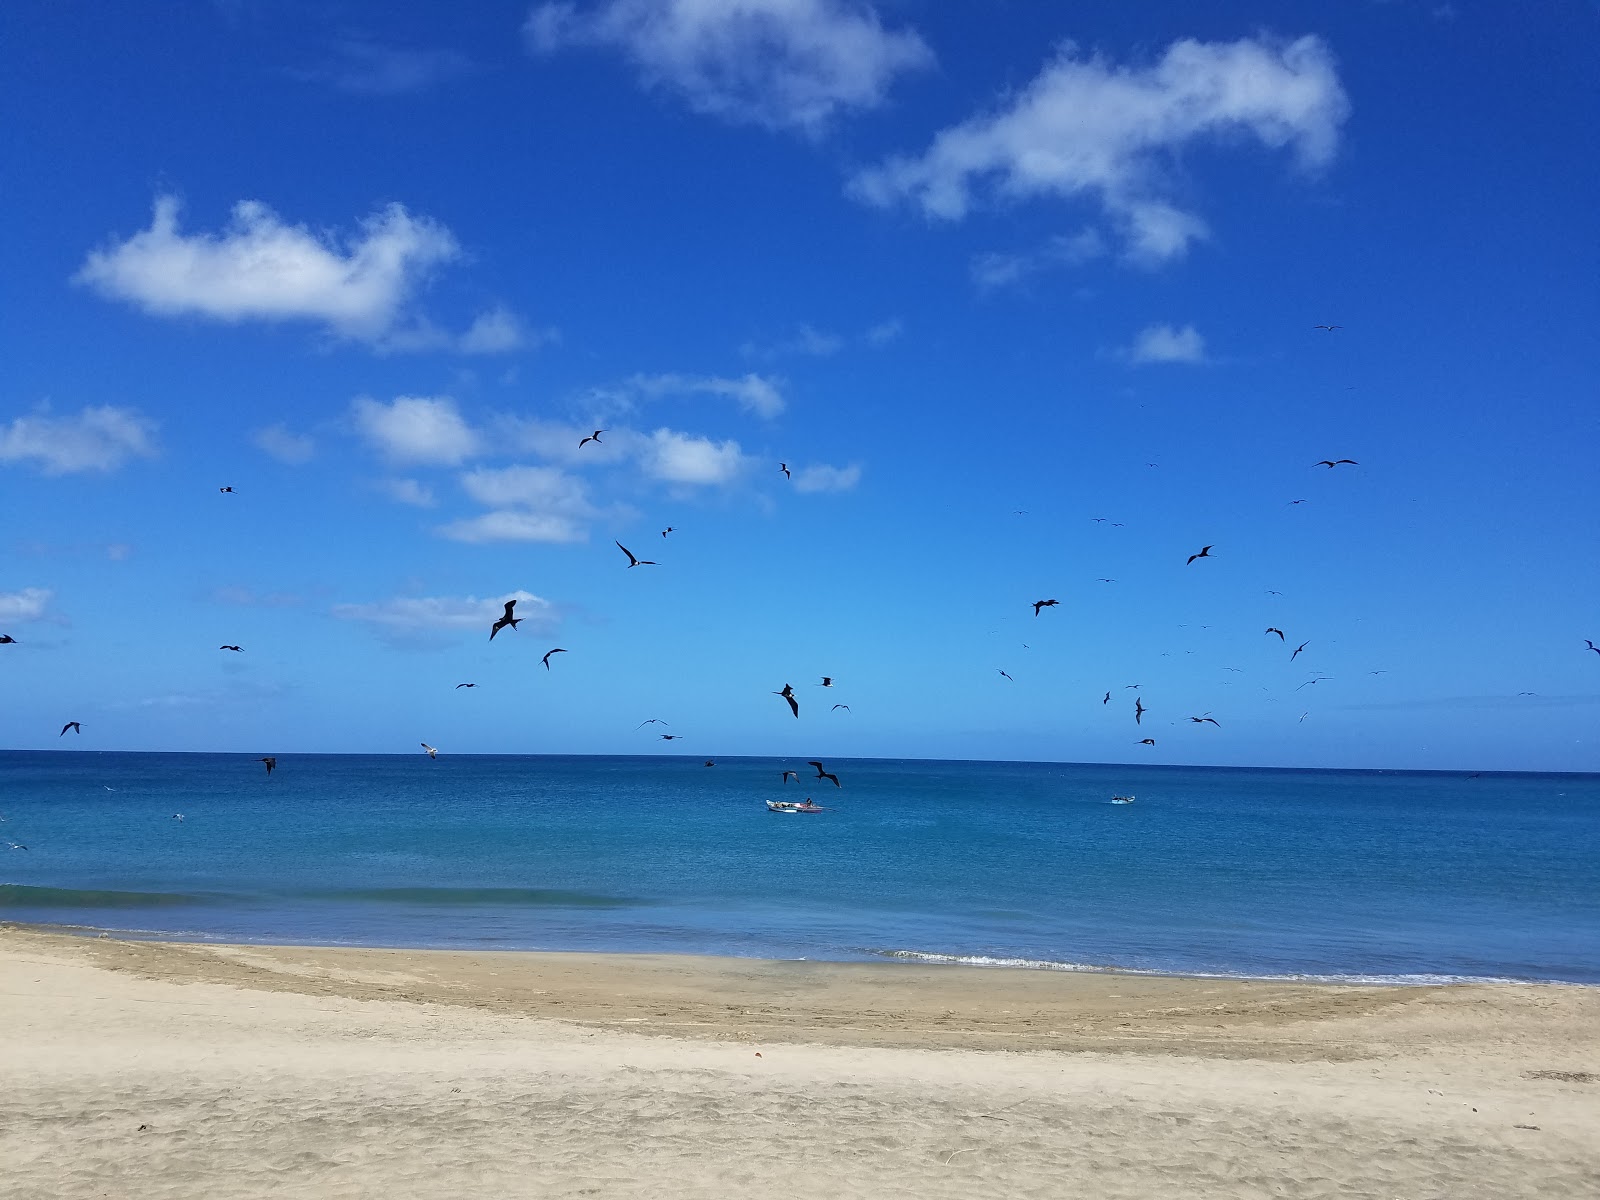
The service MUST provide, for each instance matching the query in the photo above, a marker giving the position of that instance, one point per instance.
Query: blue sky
(379, 271)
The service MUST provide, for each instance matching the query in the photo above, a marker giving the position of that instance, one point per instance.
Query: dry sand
(136, 1069)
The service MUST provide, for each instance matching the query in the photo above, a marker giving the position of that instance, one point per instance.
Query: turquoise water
(1402, 876)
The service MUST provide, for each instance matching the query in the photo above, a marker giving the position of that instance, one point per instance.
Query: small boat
(793, 806)
(1122, 799)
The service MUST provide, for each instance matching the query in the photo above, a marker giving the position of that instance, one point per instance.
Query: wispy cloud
(823, 478)
(1086, 127)
(97, 439)
(371, 68)
(292, 448)
(416, 429)
(261, 268)
(781, 64)
(996, 270)
(528, 504)
(1166, 344)
(243, 597)
(805, 341)
(754, 393)
(407, 491)
(30, 604)
(418, 614)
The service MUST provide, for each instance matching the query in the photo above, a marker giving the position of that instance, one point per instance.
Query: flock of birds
(509, 620)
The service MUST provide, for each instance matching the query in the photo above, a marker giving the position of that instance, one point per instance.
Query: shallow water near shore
(1381, 876)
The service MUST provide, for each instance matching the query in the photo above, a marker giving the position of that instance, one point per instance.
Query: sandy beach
(138, 1069)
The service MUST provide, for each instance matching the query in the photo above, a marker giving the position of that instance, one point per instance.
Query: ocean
(1403, 877)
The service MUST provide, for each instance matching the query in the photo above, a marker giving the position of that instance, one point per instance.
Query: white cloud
(1000, 270)
(373, 69)
(264, 269)
(97, 439)
(885, 332)
(775, 63)
(679, 458)
(30, 604)
(1167, 344)
(497, 331)
(515, 525)
(530, 504)
(416, 429)
(753, 393)
(286, 447)
(1086, 127)
(407, 491)
(806, 340)
(416, 614)
(823, 478)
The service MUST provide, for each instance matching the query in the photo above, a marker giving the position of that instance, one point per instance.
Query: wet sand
(309, 1072)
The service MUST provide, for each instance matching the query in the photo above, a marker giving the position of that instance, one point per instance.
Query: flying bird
(788, 694)
(1297, 650)
(1103, 579)
(1297, 502)
(237, 649)
(784, 467)
(459, 686)
(1279, 632)
(710, 762)
(7, 640)
(1138, 711)
(671, 737)
(1586, 642)
(225, 489)
(667, 530)
(432, 752)
(1309, 682)
(1146, 742)
(827, 681)
(75, 726)
(652, 721)
(1205, 552)
(1038, 604)
(821, 774)
(1107, 700)
(15, 846)
(1329, 328)
(271, 763)
(506, 619)
(1303, 716)
(635, 562)
(1203, 720)
(546, 659)
(593, 437)
(788, 774)
(1003, 673)
(837, 707)
(1330, 463)
(177, 816)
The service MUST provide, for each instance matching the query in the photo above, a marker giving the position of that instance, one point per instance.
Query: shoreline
(212, 1072)
(890, 959)
(815, 1001)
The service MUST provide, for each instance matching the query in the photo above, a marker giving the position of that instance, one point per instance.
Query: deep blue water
(1251, 872)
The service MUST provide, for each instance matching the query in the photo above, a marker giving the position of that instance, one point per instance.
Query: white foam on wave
(1036, 964)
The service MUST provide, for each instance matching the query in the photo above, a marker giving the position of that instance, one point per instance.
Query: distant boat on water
(793, 806)
(1122, 799)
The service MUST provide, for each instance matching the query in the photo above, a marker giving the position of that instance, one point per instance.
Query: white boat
(793, 806)
(1122, 799)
